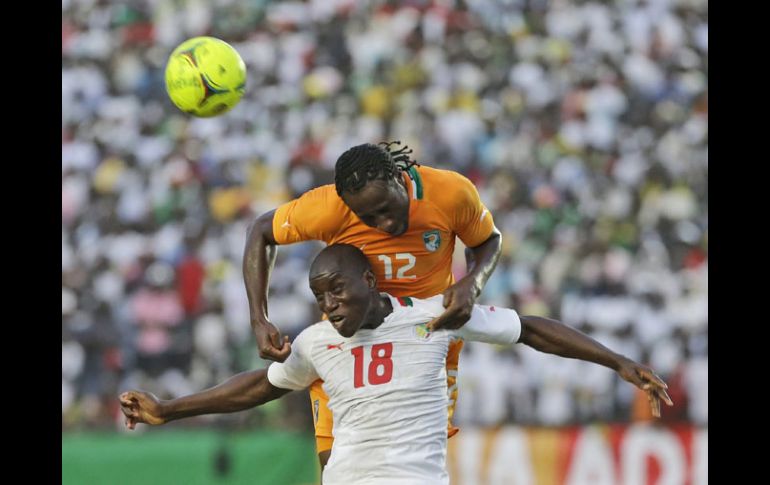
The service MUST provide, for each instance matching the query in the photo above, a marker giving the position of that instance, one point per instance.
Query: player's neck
(404, 180)
(380, 309)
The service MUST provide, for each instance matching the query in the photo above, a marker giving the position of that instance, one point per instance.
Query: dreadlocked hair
(364, 163)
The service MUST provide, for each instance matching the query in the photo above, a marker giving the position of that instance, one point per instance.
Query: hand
(458, 301)
(269, 342)
(647, 380)
(141, 407)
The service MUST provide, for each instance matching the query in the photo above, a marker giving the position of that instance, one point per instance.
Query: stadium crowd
(584, 124)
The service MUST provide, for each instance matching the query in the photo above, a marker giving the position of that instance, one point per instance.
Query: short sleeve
(314, 216)
(493, 325)
(297, 371)
(471, 220)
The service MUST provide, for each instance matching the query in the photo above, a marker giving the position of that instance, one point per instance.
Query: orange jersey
(443, 204)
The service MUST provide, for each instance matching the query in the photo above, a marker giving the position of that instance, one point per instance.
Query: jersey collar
(415, 181)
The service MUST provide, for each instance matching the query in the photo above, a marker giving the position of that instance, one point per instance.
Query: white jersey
(387, 389)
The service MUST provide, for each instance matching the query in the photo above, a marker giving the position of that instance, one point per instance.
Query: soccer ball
(205, 77)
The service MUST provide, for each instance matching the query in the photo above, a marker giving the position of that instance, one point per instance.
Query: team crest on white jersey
(421, 331)
(432, 240)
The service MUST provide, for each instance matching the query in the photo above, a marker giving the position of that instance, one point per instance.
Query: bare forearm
(240, 392)
(484, 258)
(553, 337)
(258, 259)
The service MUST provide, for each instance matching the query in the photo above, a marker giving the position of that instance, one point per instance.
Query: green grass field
(188, 457)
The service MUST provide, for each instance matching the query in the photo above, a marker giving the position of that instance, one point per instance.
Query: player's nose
(330, 303)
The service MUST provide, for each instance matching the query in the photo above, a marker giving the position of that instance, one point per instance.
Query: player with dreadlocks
(404, 217)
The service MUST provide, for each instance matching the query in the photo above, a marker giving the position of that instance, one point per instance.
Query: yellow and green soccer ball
(205, 77)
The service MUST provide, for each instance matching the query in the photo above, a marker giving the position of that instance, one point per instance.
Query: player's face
(383, 205)
(344, 298)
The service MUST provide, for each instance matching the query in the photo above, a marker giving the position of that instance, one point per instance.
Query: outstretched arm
(553, 337)
(258, 260)
(243, 391)
(460, 297)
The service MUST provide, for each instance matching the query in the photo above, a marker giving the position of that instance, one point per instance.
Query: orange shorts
(322, 417)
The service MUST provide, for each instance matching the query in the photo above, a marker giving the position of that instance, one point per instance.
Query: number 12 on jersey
(380, 365)
(401, 273)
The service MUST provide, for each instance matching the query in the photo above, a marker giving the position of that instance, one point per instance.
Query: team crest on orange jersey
(432, 240)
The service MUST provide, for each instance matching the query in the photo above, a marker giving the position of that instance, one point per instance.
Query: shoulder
(446, 188)
(440, 175)
(318, 214)
(312, 333)
(325, 195)
(427, 307)
(434, 304)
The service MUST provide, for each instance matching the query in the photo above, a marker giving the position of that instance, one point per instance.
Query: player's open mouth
(336, 318)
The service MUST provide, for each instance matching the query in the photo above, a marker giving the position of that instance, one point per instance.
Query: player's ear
(397, 179)
(371, 280)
